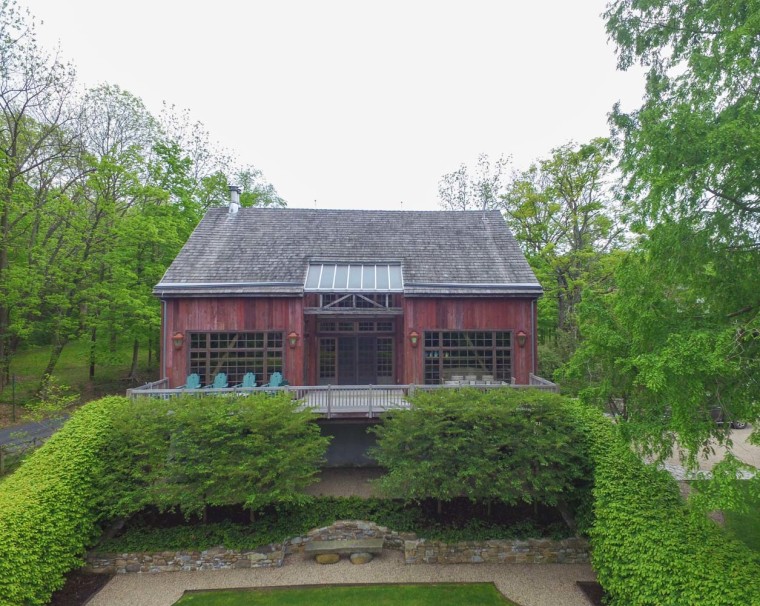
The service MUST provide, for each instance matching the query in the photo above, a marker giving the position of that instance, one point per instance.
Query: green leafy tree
(686, 298)
(693, 146)
(193, 452)
(515, 447)
(669, 346)
(563, 212)
(37, 142)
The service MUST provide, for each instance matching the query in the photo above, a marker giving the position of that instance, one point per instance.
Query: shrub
(47, 513)
(193, 452)
(501, 445)
(647, 547)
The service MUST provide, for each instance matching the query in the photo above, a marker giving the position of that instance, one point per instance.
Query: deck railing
(337, 400)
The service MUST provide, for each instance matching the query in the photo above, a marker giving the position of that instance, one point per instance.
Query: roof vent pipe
(234, 199)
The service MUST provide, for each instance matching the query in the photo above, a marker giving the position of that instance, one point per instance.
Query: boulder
(361, 557)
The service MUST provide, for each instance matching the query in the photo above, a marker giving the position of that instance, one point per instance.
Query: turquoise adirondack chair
(193, 381)
(275, 380)
(249, 380)
(220, 381)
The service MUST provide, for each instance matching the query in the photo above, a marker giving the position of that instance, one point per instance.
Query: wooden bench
(344, 546)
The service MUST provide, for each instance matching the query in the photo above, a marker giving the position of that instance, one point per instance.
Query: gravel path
(526, 584)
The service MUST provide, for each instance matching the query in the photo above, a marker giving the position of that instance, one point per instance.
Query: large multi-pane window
(236, 353)
(465, 353)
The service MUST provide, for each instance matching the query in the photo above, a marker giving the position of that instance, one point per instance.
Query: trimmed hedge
(500, 445)
(648, 548)
(47, 517)
(189, 453)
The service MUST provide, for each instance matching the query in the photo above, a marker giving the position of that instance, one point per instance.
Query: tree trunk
(93, 341)
(55, 354)
(5, 357)
(567, 515)
(135, 359)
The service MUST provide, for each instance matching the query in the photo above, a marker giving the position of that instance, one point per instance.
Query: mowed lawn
(444, 594)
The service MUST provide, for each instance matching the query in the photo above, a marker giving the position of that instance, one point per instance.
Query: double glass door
(356, 359)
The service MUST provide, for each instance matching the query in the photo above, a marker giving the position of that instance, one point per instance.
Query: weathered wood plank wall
(232, 314)
(421, 314)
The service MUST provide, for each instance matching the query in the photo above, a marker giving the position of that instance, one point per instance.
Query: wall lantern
(293, 339)
(178, 339)
(521, 338)
(414, 338)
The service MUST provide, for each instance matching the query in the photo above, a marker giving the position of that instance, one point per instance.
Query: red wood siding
(232, 314)
(301, 364)
(468, 314)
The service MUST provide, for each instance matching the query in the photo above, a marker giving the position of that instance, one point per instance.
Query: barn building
(349, 297)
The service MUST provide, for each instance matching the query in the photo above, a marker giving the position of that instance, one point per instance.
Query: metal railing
(339, 400)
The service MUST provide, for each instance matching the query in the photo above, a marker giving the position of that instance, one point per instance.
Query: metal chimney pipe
(234, 199)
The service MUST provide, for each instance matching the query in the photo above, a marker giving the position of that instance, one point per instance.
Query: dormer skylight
(354, 277)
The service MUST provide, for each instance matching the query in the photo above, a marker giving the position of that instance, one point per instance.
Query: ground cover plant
(444, 594)
(230, 526)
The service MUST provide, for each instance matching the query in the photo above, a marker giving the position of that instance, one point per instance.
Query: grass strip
(444, 594)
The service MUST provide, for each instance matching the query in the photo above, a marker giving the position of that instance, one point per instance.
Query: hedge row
(647, 547)
(189, 453)
(46, 515)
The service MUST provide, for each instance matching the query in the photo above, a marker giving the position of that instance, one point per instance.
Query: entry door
(347, 361)
(366, 360)
(357, 360)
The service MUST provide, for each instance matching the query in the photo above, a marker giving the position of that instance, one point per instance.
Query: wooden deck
(338, 401)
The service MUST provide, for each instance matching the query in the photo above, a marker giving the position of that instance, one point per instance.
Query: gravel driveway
(526, 584)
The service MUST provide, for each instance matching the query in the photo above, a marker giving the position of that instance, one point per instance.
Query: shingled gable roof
(267, 251)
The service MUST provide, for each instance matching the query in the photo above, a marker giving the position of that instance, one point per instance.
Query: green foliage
(563, 212)
(277, 523)
(71, 373)
(506, 445)
(460, 190)
(648, 547)
(52, 400)
(670, 343)
(97, 197)
(681, 330)
(695, 138)
(743, 521)
(191, 452)
(47, 507)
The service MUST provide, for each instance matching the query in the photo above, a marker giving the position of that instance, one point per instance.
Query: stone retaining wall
(416, 551)
(530, 551)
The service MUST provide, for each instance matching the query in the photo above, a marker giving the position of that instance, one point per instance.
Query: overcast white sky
(357, 104)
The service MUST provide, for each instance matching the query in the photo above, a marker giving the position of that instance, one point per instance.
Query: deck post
(370, 400)
(329, 401)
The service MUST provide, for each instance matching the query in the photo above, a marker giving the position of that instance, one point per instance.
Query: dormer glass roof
(354, 277)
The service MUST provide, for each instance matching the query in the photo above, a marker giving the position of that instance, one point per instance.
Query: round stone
(327, 558)
(361, 558)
